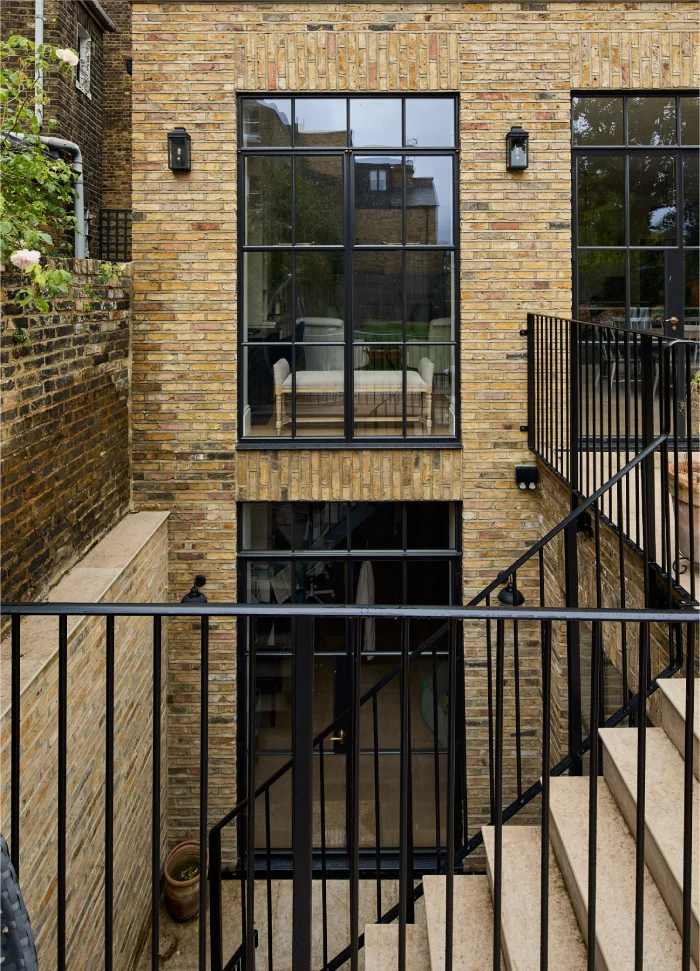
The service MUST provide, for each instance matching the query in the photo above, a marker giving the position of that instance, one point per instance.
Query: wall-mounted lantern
(516, 148)
(195, 596)
(179, 150)
(510, 596)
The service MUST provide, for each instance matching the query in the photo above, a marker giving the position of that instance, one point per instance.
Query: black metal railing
(543, 622)
(115, 235)
(597, 395)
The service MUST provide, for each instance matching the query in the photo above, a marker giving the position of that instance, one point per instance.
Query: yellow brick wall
(510, 63)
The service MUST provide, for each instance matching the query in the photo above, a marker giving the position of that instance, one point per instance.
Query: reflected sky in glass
(430, 122)
(435, 170)
(375, 122)
(321, 121)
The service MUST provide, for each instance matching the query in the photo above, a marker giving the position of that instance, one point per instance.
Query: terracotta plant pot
(684, 500)
(182, 896)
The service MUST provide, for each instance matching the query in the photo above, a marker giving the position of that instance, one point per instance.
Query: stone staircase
(568, 874)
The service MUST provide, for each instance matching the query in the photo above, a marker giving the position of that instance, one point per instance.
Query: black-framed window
(347, 297)
(635, 207)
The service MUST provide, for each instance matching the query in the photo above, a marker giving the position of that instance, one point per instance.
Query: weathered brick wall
(510, 63)
(129, 566)
(65, 430)
(116, 129)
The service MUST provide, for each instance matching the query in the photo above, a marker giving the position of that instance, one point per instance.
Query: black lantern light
(179, 150)
(516, 148)
(195, 596)
(510, 596)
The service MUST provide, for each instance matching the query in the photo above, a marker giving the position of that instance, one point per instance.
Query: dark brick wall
(65, 433)
(116, 130)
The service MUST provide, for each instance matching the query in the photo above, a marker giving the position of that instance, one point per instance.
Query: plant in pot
(182, 868)
(683, 484)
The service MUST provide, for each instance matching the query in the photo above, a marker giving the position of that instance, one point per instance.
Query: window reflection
(601, 285)
(430, 122)
(265, 368)
(690, 121)
(691, 188)
(320, 122)
(601, 200)
(268, 200)
(378, 295)
(651, 121)
(266, 121)
(430, 375)
(597, 121)
(320, 391)
(692, 294)
(429, 194)
(375, 122)
(267, 296)
(318, 189)
(647, 288)
(652, 200)
(429, 276)
(320, 282)
(378, 389)
(378, 199)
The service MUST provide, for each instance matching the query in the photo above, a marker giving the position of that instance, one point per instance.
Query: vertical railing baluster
(377, 813)
(109, 791)
(203, 786)
(623, 596)
(324, 872)
(596, 666)
(498, 808)
(250, 812)
(62, 789)
(516, 679)
(302, 795)
(531, 427)
(689, 756)
(268, 887)
(677, 400)
(546, 635)
(489, 696)
(355, 798)
(155, 797)
(215, 902)
(405, 881)
(692, 552)
(15, 728)
(452, 712)
(436, 766)
(641, 795)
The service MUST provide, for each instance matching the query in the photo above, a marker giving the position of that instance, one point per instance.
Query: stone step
(615, 897)
(663, 841)
(673, 716)
(520, 914)
(382, 947)
(472, 942)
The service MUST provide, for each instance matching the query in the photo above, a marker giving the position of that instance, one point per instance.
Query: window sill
(334, 445)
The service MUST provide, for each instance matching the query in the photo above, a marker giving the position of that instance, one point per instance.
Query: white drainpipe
(38, 41)
(79, 201)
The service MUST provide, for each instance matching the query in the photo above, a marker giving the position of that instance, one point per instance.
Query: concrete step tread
(673, 716)
(472, 943)
(615, 897)
(382, 947)
(663, 799)
(521, 904)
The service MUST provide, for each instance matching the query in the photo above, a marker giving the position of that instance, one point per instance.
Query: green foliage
(37, 192)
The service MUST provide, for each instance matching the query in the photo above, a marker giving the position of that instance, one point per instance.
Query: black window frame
(625, 150)
(348, 439)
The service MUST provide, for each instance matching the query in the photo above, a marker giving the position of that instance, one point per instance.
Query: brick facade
(116, 129)
(65, 434)
(128, 566)
(511, 63)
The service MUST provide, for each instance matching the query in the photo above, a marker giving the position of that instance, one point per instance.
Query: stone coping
(90, 581)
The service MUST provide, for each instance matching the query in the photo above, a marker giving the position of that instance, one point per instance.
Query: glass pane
(319, 582)
(601, 200)
(375, 122)
(597, 121)
(376, 526)
(319, 199)
(431, 526)
(378, 296)
(321, 526)
(320, 381)
(692, 295)
(273, 703)
(601, 285)
(690, 121)
(429, 288)
(320, 122)
(430, 122)
(651, 121)
(691, 187)
(429, 191)
(647, 288)
(267, 296)
(378, 199)
(267, 386)
(320, 296)
(268, 200)
(378, 378)
(270, 582)
(428, 583)
(430, 389)
(266, 121)
(271, 634)
(378, 582)
(266, 526)
(652, 200)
